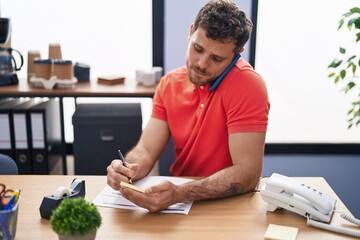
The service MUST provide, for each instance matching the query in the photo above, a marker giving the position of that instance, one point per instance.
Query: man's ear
(191, 30)
(241, 50)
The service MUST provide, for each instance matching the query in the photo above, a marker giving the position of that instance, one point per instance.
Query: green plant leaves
(351, 22)
(351, 58)
(335, 63)
(355, 10)
(352, 65)
(357, 23)
(331, 75)
(350, 19)
(349, 86)
(343, 74)
(341, 23)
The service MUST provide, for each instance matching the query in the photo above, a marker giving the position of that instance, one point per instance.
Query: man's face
(206, 59)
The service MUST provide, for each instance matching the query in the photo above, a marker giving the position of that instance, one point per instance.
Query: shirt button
(202, 105)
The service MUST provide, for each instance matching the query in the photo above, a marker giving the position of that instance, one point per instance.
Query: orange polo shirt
(200, 121)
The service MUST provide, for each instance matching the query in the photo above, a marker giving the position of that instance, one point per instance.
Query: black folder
(45, 136)
(7, 142)
(21, 128)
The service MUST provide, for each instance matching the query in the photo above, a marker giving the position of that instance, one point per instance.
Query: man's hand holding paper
(156, 198)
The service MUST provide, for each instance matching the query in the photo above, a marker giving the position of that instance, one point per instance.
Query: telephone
(283, 192)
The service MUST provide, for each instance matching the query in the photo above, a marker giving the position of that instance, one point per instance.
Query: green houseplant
(346, 68)
(75, 218)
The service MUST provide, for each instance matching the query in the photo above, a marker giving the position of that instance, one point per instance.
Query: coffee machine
(8, 63)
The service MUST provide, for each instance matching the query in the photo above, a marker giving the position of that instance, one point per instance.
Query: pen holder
(8, 221)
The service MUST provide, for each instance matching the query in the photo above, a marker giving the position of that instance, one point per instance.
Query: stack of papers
(109, 197)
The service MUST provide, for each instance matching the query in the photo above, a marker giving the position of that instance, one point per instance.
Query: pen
(123, 162)
(10, 204)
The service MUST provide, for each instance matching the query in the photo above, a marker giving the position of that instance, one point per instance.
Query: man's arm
(150, 146)
(247, 151)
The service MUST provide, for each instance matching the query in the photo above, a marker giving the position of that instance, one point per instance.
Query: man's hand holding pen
(124, 163)
(117, 173)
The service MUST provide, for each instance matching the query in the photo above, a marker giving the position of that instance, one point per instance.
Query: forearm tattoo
(204, 192)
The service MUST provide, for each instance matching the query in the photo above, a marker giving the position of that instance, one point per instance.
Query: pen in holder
(8, 221)
(49, 203)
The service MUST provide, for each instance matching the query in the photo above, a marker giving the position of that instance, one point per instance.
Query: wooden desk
(85, 89)
(239, 217)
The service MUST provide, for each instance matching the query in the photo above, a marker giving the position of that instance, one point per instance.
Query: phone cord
(337, 229)
(350, 219)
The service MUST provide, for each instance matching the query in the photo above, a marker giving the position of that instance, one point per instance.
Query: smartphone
(223, 74)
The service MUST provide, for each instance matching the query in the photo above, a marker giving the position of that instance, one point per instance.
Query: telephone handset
(223, 74)
(284, 192)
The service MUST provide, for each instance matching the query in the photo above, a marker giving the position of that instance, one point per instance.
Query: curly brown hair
(224, 21)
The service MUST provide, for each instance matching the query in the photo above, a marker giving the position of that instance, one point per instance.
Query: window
(113, 37)
(294, 45)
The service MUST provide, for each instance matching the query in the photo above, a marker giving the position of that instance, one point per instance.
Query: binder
(45, 136)
(7, 143)
(21, 128)
(6, 100)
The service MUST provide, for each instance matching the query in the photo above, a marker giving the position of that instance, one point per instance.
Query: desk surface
(84, 89)
(239, 217)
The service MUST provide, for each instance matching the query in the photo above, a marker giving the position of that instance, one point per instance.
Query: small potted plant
(75, 218)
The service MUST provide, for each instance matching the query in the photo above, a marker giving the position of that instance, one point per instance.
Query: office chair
(7, 165)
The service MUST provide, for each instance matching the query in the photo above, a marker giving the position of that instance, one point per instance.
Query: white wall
(113, 37)
(296, 41)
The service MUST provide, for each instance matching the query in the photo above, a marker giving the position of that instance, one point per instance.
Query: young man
(218, 132)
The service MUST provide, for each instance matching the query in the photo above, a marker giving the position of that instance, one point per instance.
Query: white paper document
(109, 197)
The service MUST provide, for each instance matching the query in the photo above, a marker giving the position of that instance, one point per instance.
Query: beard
(203, 79)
